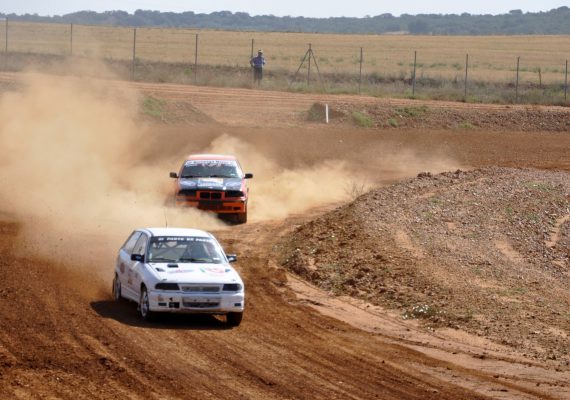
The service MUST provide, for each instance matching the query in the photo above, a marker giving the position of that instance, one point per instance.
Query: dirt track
(61, 336)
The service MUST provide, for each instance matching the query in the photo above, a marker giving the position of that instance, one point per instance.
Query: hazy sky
(306, 8)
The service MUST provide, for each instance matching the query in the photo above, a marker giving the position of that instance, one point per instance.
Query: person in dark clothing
(257, 64)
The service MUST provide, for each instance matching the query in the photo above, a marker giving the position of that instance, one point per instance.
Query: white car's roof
(176, 232)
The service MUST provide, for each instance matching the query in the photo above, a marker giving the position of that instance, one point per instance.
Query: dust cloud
(69, 170)
(350, 169)
(80, 172)
(276, 192)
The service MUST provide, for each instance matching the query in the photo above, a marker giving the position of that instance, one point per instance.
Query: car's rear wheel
(234, 318)
(116, 288)
(144, 306)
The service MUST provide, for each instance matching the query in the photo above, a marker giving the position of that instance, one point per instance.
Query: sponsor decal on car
(214, 270)
(187, 183)
(183, 271)
(210, 181)
(209, 163)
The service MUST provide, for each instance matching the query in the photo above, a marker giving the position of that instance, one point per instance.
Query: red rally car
(213, 182)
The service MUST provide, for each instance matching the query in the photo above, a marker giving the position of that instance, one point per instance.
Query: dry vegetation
(492, 58)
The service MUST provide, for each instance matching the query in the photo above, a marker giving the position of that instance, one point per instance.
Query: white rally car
(178, 270)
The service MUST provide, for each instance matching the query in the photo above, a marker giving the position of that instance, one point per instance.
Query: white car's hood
(196, 273)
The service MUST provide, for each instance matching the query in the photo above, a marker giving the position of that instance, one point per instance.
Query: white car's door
(124, 262)
(134, 271)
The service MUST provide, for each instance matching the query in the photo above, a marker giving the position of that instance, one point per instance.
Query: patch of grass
(468, 316)
(540, 186)
(336, 279)
(362, 120)
(457, 66)
(531, 216)
(153, 107)
(422, 311)
(472, 99)
(466, 125)
(412, 112)
(316, 113)
(392, 122)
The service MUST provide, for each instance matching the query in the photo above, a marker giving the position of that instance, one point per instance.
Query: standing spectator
(257, 64)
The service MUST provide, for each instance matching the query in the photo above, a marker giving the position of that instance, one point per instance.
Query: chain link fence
(523, 69)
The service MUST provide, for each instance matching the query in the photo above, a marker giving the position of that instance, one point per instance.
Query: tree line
(515, 22)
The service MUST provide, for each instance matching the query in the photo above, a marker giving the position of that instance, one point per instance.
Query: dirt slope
(487, 251)
(61, 336)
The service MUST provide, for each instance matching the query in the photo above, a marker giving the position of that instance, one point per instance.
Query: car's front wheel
(144, 306)
(116, 288)
(241, 218)
(234, 318)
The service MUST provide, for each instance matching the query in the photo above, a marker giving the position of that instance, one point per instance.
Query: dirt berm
(486, 251)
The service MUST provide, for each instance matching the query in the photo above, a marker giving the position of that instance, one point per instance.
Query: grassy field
(492, 59)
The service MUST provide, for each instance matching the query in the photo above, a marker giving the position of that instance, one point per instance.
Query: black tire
(241, 218)
(116, 288)
(144, 308)
(234, 318)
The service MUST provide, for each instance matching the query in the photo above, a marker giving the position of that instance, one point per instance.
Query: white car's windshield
(164, 249)
(210, 168)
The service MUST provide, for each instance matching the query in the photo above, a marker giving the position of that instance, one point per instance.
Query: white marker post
(327, 113)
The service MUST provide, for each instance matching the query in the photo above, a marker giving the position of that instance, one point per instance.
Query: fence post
(360, 73)
(566, 83)
(134, 54)
(6, 47)
(414, 75)
(517, 84)
(196, 61)
(466, 76)
(70, 40)
(309, 68)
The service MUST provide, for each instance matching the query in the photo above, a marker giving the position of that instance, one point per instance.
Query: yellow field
(491, 58)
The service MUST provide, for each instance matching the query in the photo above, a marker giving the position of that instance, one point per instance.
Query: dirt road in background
(61, 336)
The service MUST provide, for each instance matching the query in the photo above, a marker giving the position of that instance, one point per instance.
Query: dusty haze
(70, 172)
(80, 171)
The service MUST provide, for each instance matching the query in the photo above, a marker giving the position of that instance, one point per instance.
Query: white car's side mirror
(137, 257)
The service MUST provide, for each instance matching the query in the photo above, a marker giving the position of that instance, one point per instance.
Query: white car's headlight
(232, 287)
(166, 286)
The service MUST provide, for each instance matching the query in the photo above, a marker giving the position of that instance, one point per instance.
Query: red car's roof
(210, 157)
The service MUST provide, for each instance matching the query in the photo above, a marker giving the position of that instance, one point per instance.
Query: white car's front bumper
(209, 303)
